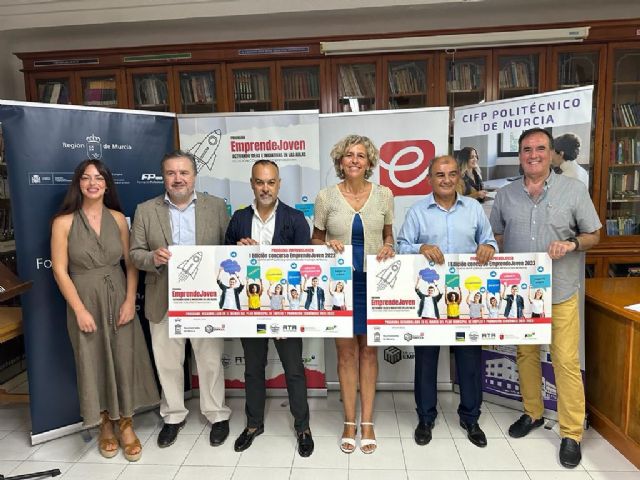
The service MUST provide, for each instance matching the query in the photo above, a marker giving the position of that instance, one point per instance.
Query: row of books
(626, 115)
(407, 79)
(301, 84)
(252, 86)
(6, 224)
(101, 92)
(625, 151)
(151, 91)
(465, 76)
(197, 89)
(53, 92)
(621, 226)
(517, 75)
(357, 80)
(624, 184)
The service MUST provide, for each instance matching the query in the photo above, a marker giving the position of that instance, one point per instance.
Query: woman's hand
(127, 312)
(482, 194)
(86, 323)
(387, 251)
(336, 245)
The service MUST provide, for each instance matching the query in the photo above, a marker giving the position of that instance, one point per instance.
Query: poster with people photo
(260, 291)
(413, 301)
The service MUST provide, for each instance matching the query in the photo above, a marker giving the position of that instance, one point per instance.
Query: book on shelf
(357, 80)
(100, 92)
(621, 226)
(53, 92)
(621, 184)
(197, 88)
(625, 151)
(465, 76)
(301, 85)
(626, 115)
(151, 91)
(251, 86)
(517, 74)
(406, 79)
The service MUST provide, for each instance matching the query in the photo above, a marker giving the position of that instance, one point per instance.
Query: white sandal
(351, 441)
(365, 442)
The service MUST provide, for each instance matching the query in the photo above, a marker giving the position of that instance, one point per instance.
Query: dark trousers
(255, 361)
(468, 371)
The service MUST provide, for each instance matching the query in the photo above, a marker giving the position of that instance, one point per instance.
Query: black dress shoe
(305, 443)
(570, 454)
(169, 433)
(524, 425)
(245, 439)
(219, 433)
(422, 434)
(475, 434)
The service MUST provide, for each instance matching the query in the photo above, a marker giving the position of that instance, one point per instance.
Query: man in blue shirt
(445, 222)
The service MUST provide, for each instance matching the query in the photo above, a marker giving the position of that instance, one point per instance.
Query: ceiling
(349, 14)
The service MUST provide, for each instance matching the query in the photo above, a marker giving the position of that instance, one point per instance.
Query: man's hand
(559, 248)
(484, 253)
(161, 256)
(247, 241)
(432, 252)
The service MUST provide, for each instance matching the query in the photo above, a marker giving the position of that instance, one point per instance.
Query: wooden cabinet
(295, 75)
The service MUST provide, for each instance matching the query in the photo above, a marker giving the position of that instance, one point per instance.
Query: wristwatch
(575, 241)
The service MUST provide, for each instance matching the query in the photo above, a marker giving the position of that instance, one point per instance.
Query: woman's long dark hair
(73, 199)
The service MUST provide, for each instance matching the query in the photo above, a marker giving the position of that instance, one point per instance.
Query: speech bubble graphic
(274, 274)
(493, 285)
(510, 278)
(306, 208)
(294, 277)
(310, 270)
(473, 283)
(452, 281)
(230, 266)
(341, 273)
(253, 272)
(429, 275)
(540, 281)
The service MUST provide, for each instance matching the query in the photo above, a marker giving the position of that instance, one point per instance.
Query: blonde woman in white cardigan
(356, 212)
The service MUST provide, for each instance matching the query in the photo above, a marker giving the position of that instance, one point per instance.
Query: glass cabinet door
(623, 197)
(466, 80)
(54, 90)
(100, 91)
(151, 91)
(407, 84)
(356, 87)
(301, 87)
(252, 89)
(198, 92)
(518, 75)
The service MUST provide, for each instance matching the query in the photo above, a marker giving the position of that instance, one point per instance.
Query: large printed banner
(260, 291)
(226, 145)
(492, 129)
(43, 145)
(407, 140)
(412, 300)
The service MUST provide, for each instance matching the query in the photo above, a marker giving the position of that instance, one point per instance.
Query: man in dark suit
(268, 221)
(315, 295)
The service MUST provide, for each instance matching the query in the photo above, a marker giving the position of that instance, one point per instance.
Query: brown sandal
(124, 423)
(106, 444)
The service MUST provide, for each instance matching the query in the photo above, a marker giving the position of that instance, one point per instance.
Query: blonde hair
(340, 149)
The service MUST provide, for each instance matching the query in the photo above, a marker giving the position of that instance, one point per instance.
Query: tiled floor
(449, 456)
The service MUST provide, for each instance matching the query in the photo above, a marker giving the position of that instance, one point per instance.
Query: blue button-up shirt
(183, 222)
(458, 230)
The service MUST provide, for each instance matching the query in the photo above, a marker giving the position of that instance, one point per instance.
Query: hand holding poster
(412, 300)
(255, 291)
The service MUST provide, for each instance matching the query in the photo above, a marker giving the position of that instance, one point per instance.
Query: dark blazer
(519, 305)
(435, 301)
(291, 227)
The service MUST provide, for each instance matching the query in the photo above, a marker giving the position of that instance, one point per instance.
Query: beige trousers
(565, 358)
(169, 358)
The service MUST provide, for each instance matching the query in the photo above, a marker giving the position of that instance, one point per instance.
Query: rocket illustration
(388, 276)
(205, 150)
(190, 266)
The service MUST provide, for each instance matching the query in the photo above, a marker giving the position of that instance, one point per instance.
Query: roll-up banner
(43, 145)
(492, 129)
(225, 146)
(407, 140)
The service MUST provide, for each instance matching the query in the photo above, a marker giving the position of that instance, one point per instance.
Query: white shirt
(537, 306)
(428, 310)
(574, 170)
(314, 299)
(262, 231)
